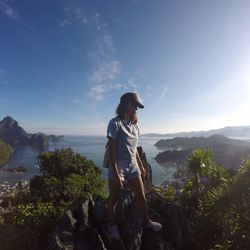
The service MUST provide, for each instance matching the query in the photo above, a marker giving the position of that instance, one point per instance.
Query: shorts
(128, 169)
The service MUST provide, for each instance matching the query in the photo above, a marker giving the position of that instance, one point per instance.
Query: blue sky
(65, 63)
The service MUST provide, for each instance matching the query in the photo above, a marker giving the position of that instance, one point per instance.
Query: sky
(65, 63)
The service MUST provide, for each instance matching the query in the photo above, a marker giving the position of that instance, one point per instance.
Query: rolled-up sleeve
(112, 130)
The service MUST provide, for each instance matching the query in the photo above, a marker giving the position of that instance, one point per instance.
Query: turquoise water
(92, 147)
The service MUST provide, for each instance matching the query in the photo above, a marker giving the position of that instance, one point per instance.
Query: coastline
(92, 147)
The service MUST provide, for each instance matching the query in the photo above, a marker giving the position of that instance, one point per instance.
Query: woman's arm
(113, 160)
(139, 161)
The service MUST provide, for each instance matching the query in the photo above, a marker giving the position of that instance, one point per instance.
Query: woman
(125, 166)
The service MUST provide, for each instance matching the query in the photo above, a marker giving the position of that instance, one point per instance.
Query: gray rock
(74, 231)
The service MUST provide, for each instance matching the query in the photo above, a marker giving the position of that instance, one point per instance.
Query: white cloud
(163, 93)
(115, 86)
(106, 70)
(116, 20)
(98, 91)
(80, 16)
(8, 10)
(108, 42)
(98, 23)
(65, 22)
(74, 13)
(131, 83)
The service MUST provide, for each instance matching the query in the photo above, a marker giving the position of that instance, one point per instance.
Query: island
(228, 152)
(56, 138)
(14, 135)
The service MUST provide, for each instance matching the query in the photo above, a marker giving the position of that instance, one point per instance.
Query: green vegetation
(216, 200)
(167, 194)
(219, 203)
(5, 152)
(67, 177)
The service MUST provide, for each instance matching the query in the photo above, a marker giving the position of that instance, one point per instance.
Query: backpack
(106, 154)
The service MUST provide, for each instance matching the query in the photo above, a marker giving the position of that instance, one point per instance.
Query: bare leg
(137, 187)
(114, 191)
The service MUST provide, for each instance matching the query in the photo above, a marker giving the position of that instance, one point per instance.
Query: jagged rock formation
(14, 135)
(84, 227)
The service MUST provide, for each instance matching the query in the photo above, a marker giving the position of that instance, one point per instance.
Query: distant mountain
(14, 135)
(237, 132)
(228, 152)
(195, 142)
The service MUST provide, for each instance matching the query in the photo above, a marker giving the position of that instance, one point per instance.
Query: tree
(66, 176)
(198, 161)
(221, 221)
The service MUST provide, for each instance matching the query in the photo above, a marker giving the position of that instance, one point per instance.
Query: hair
(121, 110)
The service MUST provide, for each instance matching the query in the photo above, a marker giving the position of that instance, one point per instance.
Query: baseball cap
(131, 98)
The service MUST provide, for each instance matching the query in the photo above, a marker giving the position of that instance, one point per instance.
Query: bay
(92, 147)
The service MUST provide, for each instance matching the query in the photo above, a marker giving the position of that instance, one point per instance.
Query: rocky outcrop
(55, 138)
(84, 227)
(14, 135)
(39, 141)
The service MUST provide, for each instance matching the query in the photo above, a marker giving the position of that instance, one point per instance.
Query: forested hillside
(5, 152)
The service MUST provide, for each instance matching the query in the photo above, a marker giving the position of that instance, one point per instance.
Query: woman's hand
(118, 181)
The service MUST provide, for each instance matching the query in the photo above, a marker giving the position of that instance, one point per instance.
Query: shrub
(66, 176)
(224, 215)
(5, 152)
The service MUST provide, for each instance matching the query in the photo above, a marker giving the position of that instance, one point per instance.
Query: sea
(92, 147)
